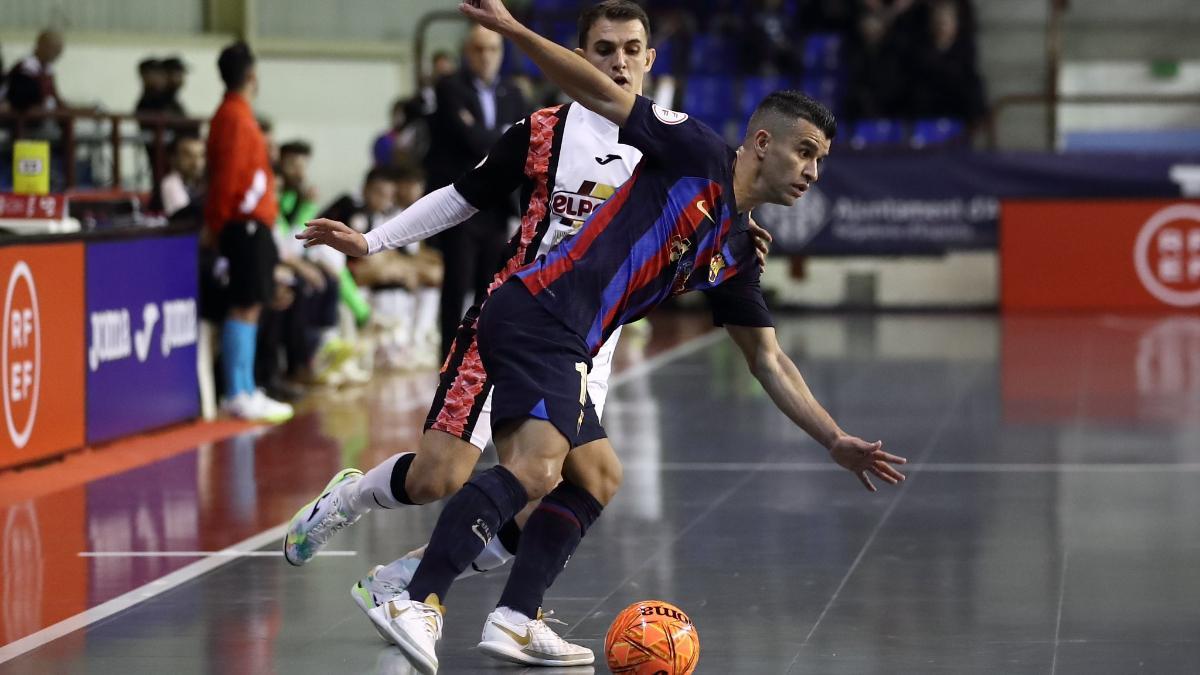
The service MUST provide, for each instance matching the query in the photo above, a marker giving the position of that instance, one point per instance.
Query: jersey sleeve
(739, 301)
(669, 137)
(501, 172)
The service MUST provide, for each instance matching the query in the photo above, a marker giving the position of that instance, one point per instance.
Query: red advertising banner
(1100, 255)
(51, 207)
(41, 351)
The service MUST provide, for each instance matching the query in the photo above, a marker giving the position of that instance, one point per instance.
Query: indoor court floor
(1050, 522)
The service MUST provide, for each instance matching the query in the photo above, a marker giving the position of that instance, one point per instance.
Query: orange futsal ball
(652, 637)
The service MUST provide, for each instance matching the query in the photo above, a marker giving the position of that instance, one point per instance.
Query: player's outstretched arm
(437, 211)
(577, 78)
(787, 388)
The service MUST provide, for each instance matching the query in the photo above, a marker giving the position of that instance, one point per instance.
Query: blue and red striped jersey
(672, 227)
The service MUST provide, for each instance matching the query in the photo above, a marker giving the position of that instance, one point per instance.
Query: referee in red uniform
(240, 211)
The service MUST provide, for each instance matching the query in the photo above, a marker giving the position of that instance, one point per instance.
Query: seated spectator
(407, 140)
(305, 333)
(877, 75)
(404, 284)
(768, 45)
(180, 195)
(946, 81)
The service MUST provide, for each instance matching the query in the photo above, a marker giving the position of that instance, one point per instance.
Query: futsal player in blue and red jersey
(679, 224)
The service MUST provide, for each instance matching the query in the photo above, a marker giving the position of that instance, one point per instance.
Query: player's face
(379, 196)
(792, 159)
(619, 50)
(483, 52)
(189, 159)
(294, 168)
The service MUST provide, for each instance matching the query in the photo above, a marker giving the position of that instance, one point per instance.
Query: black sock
(550, 537)
(470, 520)
(510, 536)
(399, 475)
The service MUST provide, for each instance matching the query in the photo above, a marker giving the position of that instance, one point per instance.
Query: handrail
(157, 123)
(1031, 98)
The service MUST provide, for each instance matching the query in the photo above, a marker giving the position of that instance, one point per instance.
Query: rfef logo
(22, 354)
(1167, 255)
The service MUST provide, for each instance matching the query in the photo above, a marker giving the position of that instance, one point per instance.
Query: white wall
(1128, 77)
(339, 105)
(966, 279)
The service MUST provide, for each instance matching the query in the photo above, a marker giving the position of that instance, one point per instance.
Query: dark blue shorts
(536, 365)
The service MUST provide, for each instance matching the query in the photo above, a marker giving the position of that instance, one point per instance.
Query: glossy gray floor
(1050, 522)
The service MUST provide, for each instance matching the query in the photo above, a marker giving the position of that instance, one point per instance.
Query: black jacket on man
(473, 252)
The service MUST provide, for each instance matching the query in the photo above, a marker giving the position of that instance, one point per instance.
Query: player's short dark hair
(174, 64)
(792, 104)
(149, 65)
(180, 139)
(407, 172)
(295, 148)
(613, 10)
(377, 174)
(235, 63)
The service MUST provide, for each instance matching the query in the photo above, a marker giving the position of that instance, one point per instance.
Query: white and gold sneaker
(414, 627)
(531, 643)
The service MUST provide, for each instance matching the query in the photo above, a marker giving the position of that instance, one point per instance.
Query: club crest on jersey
(668, 116)
(715, 266)
(679, 247)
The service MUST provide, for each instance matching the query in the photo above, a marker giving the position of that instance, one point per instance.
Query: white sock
(513, 616)
(492, 556)
(375, 488)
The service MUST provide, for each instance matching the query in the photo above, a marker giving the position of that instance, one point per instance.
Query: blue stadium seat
(823, 53)
(713, 54)
(555, 6)
(932, 133)
(755, 89)
(876, 133)
(825, 87)
(709, 98)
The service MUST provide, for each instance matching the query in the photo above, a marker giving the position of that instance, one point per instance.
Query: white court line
(229, 553)
(140, 594)
(275, 534)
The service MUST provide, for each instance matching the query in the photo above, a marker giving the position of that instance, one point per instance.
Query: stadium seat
(876, 133)
(713, 54)
(755, 89)
(710, 99)
(931, 133)
(823, 53)
(826, 88)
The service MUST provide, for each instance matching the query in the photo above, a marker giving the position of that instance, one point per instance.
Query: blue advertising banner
(142, 327)
(912, 204)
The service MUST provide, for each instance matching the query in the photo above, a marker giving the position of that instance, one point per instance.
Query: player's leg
(448, 452)
(539, 370)
(591, 477)
(532, 453)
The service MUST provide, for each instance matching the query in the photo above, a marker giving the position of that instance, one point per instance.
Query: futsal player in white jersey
(566, 161)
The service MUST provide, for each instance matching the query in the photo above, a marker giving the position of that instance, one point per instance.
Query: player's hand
(488, 13)
(863, 458)
(762, 242)
(335, 235)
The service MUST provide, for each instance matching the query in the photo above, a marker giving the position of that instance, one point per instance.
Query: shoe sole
(415, 656)
(503, 652)
(337, 478)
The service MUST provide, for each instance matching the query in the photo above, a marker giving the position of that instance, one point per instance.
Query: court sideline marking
(275, 534)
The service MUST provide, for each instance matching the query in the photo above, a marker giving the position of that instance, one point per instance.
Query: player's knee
(435, 481)
(538, 478)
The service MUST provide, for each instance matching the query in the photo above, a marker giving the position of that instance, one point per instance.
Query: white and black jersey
(566, 160)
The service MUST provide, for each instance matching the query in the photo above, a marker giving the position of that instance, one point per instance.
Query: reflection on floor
(1049, 523)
